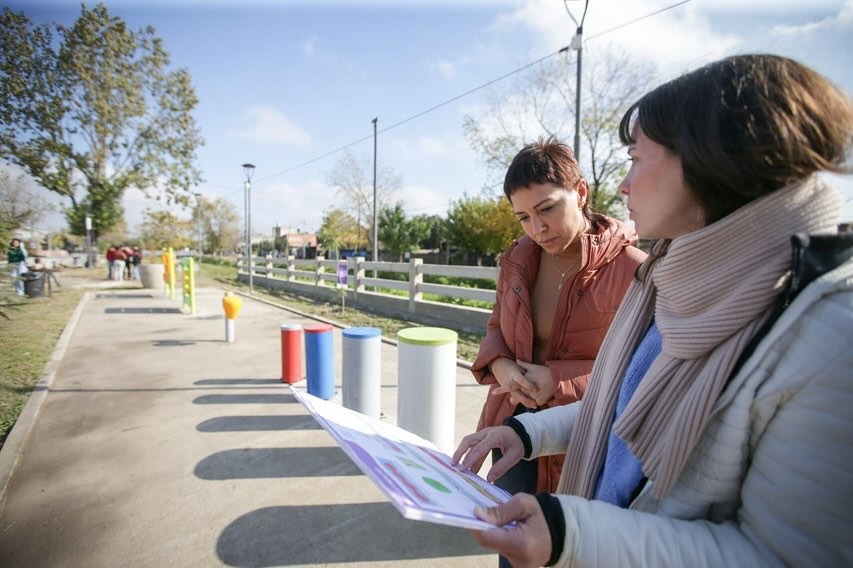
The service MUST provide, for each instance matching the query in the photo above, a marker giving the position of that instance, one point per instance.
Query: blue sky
(285, 82)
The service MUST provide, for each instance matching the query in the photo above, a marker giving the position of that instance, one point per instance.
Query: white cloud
(673, 40)
(423, 200)
(446, 69)
(432, 145)
(297, 205)
(841, 21)
(269, 125)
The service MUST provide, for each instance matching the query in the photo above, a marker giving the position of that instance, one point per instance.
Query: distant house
(294, 242)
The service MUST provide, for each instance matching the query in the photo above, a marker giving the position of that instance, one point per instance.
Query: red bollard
(291, 353)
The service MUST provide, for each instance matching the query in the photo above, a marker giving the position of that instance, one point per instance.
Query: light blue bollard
(361, 370)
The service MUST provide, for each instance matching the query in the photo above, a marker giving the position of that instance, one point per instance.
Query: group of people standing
(123, 263)
(689, 407)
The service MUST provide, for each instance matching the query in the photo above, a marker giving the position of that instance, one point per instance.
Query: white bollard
(361, 370)
(426, 384)
(229, 330)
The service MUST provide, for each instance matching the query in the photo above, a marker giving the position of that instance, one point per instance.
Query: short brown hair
(548, 160)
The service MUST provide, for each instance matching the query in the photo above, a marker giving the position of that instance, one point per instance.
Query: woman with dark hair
(558, 290)
(716, 429)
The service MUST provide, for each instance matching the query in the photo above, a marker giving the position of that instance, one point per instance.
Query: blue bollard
(319, 360)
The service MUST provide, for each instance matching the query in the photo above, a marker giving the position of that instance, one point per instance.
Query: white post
(415, 281)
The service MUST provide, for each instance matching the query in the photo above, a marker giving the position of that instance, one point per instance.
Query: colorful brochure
(417, 477)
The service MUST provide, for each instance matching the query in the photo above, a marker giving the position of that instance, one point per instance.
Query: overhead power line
(635, 20)
(465, 94)
(418, 115)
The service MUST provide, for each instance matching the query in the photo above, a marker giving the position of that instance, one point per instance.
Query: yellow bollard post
(231, 304)
(167, 268)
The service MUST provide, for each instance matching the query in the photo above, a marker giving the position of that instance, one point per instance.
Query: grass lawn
(29, 337)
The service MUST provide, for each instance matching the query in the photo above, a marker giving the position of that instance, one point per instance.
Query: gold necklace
(575, 265)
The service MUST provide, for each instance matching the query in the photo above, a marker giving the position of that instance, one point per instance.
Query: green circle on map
(436, 485)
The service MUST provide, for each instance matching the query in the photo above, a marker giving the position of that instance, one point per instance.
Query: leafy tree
(162, 229)
(221, 227)
(397, 233)
(18, 205)
(543, 104)
(352, 178)
(432, 228)
(339, 230)
(92, 108)
(482, 225)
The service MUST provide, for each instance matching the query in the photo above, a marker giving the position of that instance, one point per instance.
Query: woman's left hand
(539, 387)
(528, 542)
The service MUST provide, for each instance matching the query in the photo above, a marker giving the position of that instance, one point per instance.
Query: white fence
(319, 278)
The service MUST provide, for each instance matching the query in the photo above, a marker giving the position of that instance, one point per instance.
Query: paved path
(152, 442)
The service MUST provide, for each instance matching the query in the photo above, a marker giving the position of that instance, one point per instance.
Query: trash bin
(33, 284)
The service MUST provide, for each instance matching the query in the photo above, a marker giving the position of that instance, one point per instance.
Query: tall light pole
(198, 221)
(577, 45)
(249, 169)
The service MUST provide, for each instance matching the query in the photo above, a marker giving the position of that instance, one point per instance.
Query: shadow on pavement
(258, 423)
(142, 311)
(122, 296)
(366, 532)
(264, 463)
(246, 399)
(237, 382)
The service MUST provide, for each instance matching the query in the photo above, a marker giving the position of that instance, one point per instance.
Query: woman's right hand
(475, 447)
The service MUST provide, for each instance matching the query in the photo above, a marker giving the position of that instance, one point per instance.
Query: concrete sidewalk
(155, 443)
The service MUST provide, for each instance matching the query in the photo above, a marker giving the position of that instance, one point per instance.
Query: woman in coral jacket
(558, 290)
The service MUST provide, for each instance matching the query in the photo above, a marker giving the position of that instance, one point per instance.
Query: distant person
(134, 260)
(17, 258)
(111, 262)
(717, 425)
(128, 262)
(557, 292)
(119, 261)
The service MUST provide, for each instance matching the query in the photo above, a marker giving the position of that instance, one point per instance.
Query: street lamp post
(577, 45)
(249, 169)
(198, 221)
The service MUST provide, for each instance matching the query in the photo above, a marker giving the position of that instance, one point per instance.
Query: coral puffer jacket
(585, 309)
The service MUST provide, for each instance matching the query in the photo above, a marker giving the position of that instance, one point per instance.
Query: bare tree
(18, 205)
(542, 103)
(352, 178)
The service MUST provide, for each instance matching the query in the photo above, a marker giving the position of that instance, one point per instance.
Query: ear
(583, 192)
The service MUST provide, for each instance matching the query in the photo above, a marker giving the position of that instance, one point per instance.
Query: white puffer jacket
(770, 482)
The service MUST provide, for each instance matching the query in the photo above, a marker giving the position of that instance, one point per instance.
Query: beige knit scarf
(708, 296)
